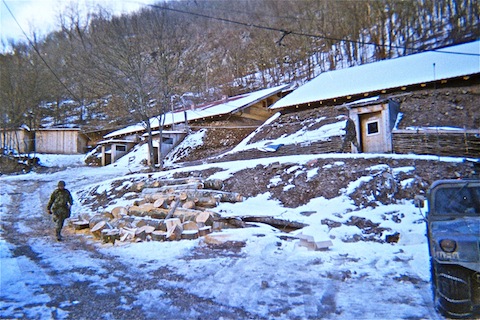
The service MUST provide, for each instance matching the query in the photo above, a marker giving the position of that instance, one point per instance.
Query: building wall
(170, 141)
(60, 141)
(20, 141)
(114, 150)
(461, 143)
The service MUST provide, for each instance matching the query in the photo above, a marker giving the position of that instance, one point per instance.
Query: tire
(452, 290)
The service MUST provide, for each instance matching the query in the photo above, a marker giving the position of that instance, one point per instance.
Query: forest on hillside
(176, 54)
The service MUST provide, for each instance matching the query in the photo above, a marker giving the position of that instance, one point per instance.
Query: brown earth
(334, 175)
(13, 165)
(442, 107)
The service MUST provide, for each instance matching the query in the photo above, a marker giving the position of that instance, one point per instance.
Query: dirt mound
(366, 181)
(441, 107)
(12, 164)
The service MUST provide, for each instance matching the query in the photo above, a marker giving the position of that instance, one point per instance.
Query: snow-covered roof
(166, 132)
(450, 62)
(59, 129)
(232, 105)
(112, 141)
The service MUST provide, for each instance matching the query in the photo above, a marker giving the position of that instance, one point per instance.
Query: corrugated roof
(445, 63)
(232, 105)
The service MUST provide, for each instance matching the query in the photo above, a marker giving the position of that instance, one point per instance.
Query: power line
(253, 25)
(38, 53)
(284, 32)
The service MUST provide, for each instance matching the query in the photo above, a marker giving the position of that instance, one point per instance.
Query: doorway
(372, 132)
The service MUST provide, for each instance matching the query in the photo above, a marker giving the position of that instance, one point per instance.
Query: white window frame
(378, 128)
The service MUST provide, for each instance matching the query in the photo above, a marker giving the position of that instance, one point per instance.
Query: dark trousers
(59, 219)
(347, 141)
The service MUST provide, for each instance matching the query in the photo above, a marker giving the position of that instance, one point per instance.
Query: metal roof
(446, 63)
(231, 105)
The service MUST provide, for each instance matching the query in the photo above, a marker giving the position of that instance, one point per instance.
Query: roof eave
(350, 98)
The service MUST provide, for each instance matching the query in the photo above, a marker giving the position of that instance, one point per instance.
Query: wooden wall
(458, 143)
(19, 140)
(60, 141)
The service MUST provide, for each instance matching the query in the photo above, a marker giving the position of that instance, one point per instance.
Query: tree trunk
(202, 231)
(151, 153)
(81, 224)
(284, 225)
(110, 235)
(119, 212)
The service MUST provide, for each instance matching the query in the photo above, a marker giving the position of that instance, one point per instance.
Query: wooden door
(372, 132)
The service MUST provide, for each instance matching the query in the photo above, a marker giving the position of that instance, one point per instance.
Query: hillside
(443, 107)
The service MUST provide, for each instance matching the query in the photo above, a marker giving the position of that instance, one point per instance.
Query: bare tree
(136, 58)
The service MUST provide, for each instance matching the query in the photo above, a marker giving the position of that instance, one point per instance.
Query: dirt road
(80, 279)
(65, 280)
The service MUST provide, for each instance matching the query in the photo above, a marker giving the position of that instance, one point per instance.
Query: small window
(121, 147)
(372, 128)
(168, 140)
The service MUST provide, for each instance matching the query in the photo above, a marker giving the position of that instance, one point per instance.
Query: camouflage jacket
(60, 202)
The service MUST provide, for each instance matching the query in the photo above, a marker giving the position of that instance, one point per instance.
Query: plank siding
(19, 140)
(60, 141)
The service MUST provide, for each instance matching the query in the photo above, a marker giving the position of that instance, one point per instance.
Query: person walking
(350, 135)
(59, 205)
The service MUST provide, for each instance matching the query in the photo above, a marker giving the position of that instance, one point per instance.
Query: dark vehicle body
(453, 230)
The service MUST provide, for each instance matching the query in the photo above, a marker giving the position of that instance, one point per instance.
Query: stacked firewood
(172, 209)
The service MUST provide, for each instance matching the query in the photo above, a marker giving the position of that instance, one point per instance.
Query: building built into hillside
(375, 96)
(174, 126)
(114, 149)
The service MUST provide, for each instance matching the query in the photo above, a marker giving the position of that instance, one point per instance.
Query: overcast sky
(41, 15)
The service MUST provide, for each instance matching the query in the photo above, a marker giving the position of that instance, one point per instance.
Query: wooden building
(251, 106)
(60, 141)
(17, 141)
(387, 84)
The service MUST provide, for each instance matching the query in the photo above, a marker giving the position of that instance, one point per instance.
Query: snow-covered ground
(272, 277)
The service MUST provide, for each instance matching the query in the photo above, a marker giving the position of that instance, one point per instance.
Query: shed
(60, 141)
(19, 140)
(253, 105)
(114, 149)
(170, 139)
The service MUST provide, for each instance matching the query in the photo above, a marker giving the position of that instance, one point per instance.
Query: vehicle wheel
(452, 290)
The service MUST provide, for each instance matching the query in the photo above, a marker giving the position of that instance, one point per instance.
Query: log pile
(167, 210)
